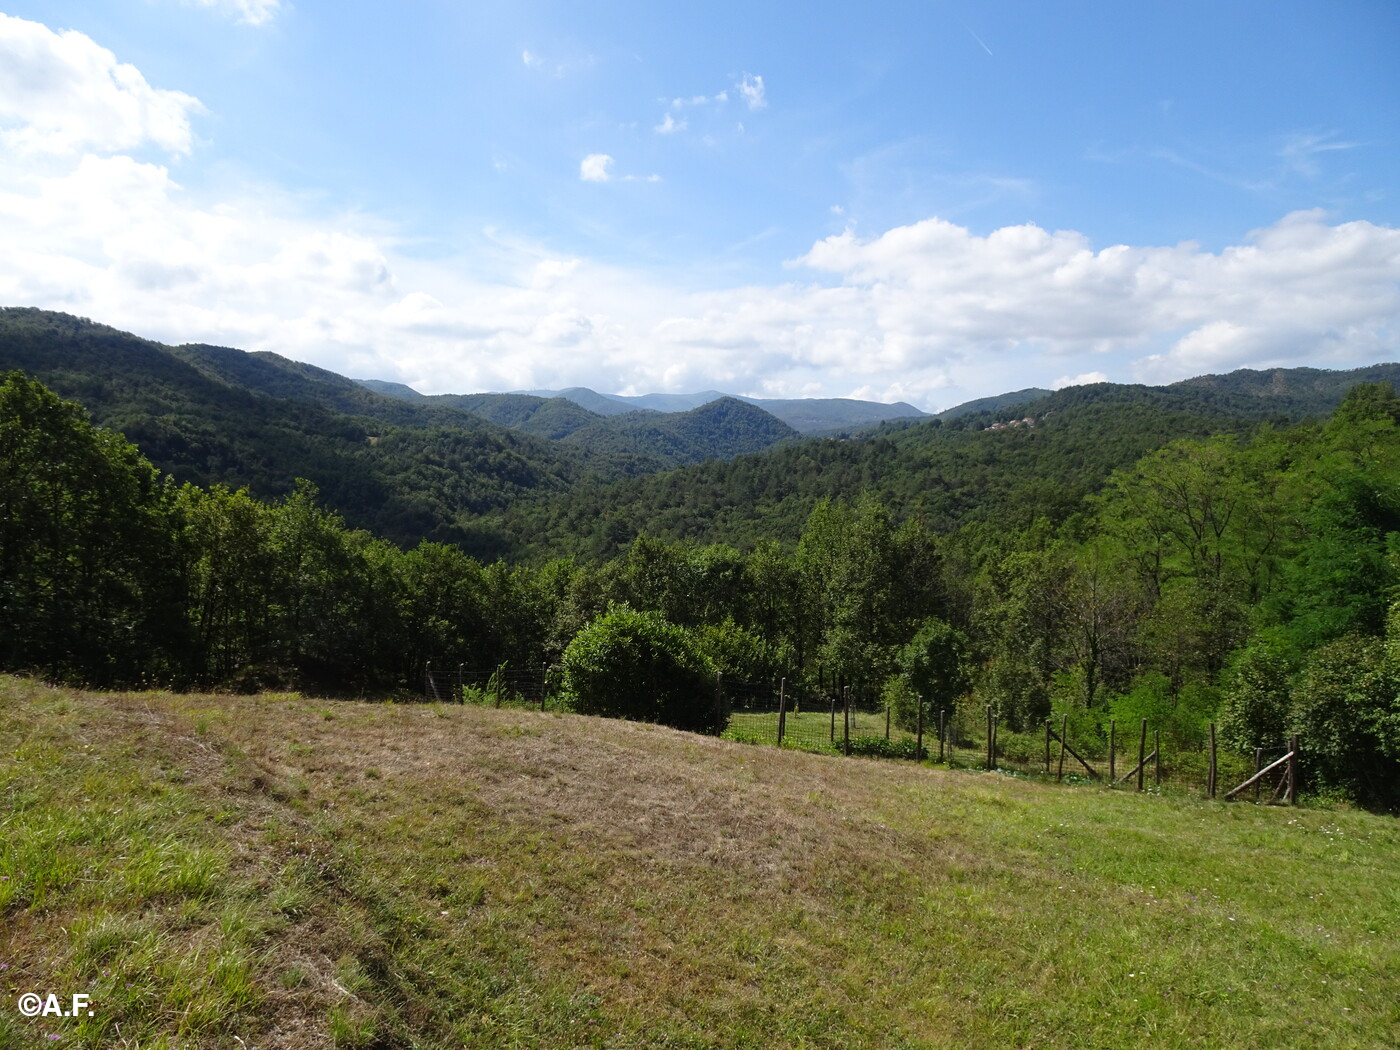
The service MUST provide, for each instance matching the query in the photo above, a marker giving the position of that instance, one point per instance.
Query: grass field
(279, 871)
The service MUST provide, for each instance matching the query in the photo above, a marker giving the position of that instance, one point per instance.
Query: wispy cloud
(557, 69)
(1263, 167)
(669, 125)
(1300, 152)
(700, 100)
(1215, 174)
(248, 12)
(598, 167)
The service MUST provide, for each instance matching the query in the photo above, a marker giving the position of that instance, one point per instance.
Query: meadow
(277, 870)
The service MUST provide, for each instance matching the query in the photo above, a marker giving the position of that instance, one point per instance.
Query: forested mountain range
(406, 469)
(524, 476)
(977, 466)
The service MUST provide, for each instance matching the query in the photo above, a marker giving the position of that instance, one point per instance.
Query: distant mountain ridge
(808, 415)
(514, 474)
(400, 464)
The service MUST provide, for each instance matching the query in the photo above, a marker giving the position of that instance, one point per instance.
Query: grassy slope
(278, 871)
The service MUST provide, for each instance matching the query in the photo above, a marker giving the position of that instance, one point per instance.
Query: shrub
(635, 665)
(1346, 714)
(1255, 701)
(903, 704)
(879, 747)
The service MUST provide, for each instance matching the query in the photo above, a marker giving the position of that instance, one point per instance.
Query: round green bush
(636, 665)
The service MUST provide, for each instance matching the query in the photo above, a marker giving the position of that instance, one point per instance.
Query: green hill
(214, 415)
(552, 418)
(716, 430)
(275, 870)
(1302, 391)
(997, 403)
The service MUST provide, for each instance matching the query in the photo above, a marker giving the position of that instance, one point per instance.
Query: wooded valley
(1223, 549)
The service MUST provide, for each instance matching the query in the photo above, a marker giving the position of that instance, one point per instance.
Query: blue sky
(911, 201)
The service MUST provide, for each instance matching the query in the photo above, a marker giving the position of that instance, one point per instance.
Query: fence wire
(501, 687)
(1082, 746)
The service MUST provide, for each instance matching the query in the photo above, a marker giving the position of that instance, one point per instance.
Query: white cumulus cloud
(596, 167)
(1079, 380)
(1298, 289)
(63, 93)
(931, 310)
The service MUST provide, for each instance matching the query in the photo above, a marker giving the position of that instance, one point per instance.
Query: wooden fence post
(919, 740)
(782, 709)
(1064, 734)
(1112, 750)
(1258, 765)
(1293, 770)
(1142, 752)
(1210, 777)
(989, 737)
(1157, 750)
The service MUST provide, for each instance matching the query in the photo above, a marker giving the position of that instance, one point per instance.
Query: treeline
(1249, 580)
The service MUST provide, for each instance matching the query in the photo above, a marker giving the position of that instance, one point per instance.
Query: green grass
(225, 871)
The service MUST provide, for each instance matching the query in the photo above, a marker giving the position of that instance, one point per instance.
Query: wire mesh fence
(1079, 746)
(504, 686)
(812, 720)
(1085, 746)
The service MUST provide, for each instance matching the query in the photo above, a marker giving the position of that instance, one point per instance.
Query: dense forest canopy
(1122, 555)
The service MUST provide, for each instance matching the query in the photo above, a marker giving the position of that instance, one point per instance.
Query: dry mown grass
(445, 876)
